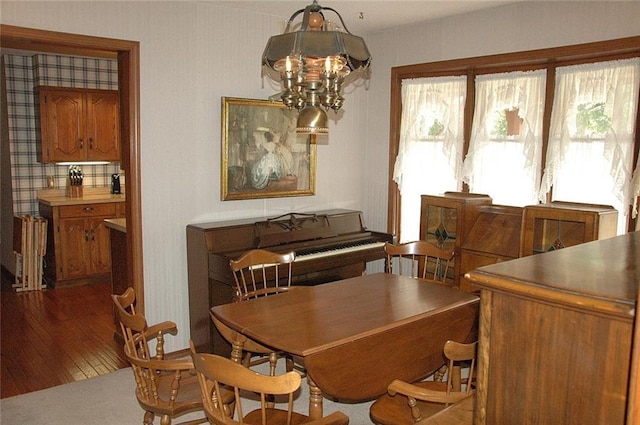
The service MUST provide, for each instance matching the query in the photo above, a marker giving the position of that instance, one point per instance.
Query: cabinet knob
(87, 209)
(81, 143)
(86, 236)
(91, 143)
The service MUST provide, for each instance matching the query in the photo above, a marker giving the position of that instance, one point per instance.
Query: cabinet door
(75, 258)
(62, 125)
(103, 126)
(99, 246)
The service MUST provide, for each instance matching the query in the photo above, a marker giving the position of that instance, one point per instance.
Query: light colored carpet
(110, 399)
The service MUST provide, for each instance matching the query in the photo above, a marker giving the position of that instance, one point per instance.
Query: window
(431, 143)
(590, 153)
(504, 161)
(515, 148)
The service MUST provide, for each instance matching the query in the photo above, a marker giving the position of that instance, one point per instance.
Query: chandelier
(312, 64)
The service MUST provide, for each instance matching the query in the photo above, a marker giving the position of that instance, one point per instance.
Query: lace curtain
(431, 144)
(507, 166)
(584, 154)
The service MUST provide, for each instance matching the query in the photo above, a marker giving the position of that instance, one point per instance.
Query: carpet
(109, 399)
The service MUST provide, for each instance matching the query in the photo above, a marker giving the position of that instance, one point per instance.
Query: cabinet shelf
(76, 124)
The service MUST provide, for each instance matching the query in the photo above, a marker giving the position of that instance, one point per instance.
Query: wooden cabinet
(482, 233)
(556, 225)
(556, 329)
(494, 237)
(445, 221)
(78, 124)
(80, 238)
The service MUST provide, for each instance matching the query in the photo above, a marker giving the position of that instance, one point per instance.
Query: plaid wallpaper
(23, 73)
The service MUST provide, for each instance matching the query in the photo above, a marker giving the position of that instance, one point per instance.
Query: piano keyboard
(315, 254)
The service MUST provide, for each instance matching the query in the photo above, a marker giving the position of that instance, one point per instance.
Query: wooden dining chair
(260, 273)
(166, 388)
(418, 259)
(216, 373)
(407, 403)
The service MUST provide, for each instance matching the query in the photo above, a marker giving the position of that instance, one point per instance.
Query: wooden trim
(569, 54)
(393, 213)
(128, 55)
(549, 58)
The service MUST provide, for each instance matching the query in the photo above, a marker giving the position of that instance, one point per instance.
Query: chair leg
(273, 362)
(439, 374)
(148, 418)
(246, 359)
(415, 410)
(289, 363)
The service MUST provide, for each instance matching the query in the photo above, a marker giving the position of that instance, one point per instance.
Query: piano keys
(329, 245)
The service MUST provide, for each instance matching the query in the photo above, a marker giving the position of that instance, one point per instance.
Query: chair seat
(393, 410)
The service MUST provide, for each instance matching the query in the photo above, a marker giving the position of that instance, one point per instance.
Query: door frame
(128, 55)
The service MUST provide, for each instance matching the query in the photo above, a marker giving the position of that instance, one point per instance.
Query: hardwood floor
(56, 336)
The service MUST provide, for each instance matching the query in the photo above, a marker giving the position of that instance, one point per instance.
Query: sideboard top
(603, 275)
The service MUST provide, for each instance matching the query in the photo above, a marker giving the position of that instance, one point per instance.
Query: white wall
(192, 53)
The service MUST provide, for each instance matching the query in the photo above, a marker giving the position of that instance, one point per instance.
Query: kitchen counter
(91, 195)
(119, 269)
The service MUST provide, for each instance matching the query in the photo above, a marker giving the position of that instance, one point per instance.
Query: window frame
(548, 59)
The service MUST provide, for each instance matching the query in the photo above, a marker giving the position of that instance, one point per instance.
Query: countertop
(119, 224)
(91, 195)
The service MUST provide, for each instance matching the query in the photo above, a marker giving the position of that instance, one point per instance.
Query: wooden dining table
(355, 336)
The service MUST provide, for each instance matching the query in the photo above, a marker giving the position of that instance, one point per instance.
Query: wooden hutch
(483, 233)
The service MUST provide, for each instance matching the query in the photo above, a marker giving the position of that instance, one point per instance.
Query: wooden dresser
(556, 332)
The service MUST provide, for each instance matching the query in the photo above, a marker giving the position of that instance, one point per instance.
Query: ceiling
(362, 16)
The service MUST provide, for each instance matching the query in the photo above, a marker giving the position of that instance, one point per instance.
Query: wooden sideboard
(556, 332)
(483, 233)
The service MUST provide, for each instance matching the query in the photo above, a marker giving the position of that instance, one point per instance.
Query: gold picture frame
(262, 155)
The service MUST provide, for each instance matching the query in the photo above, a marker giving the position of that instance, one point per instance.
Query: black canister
(115, 184)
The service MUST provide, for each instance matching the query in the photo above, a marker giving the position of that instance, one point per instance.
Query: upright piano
(329, 245)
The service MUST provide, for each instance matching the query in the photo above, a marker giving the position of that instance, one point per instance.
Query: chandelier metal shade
(312, 63)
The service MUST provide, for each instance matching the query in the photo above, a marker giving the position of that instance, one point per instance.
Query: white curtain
(431, 141)
(506, 167)
(584, 163)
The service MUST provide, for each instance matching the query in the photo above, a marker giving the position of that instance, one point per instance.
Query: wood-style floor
(56, 336)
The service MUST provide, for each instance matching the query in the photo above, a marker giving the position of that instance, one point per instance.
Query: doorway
(128, 55)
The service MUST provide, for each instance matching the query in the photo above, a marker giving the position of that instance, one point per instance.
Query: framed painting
(262, 155)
